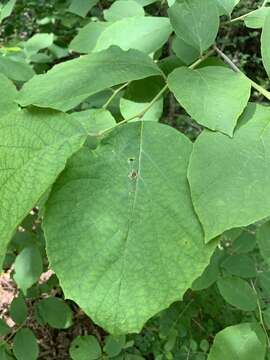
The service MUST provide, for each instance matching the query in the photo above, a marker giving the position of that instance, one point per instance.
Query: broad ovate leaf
(229, 177)
(123, 8)
(121, 219)
(86, 76)
(226, 6)
(196, 22)
(244, 341)
(8, 94)
(265, 44)
(85, 41)
(214, 96)
(34, 147)
(146, 34)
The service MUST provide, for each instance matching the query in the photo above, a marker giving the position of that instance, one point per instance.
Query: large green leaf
(229, 178)
(214, 95)
(265, 44)
(196, 22)
(146, 34)
(239, 342)
(226, 6)
(120, 218)
(85, 76)
(123, 8)
(8, 94)
(34, 147)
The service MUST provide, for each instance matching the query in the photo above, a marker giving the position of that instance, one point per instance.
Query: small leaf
(38, 42)
(123, 8)
(114, 345)
(263, 240)
(15, 70)
(265, 41)
(5, 353)
(238, 293)
(85, 348)
(214, 96)
(55, 312)
(85, 76)
(237, 173)
(28, 267)
(242, 342)
(81, 7)
(226, 6)
(4, 329)
(185, 52)
(18, 309)
(196, 22)
(94, 121)
(240, 265)
(25, 345)
(6, 9)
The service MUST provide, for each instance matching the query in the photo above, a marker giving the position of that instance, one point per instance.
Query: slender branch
(256, 86)
(264, 3)
(114, 94)
(261, 314)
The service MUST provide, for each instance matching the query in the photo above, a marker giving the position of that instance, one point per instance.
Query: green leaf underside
(196, 22)
(230, 177)
(34, 147)
(146, 34)
(214, 96)
(265, 41)
(8, 94)
(85, 76)
(239, 342)
(123, 200)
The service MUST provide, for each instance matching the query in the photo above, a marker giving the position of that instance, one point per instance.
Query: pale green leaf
(102, 206)
(15, 70)
(6, 9)
(86, 76)
(185, 52)
(81, 7)
(28, 267)
(265, 44)
(214, 96)
(38, 42)
(95, 121)
(256, 19)
(25, 345)
(146, 34)
(196, 22)
(123, 8)
(8, 94)
(145, 2)
(226, 6)
(263, 240)
(239, 342)
(34, 147)
(238, 293)
(85, 348)
(231, 190)
(131, 108)
(85, 41)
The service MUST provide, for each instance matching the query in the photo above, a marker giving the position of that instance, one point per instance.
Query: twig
(242, 17)
(115, 92)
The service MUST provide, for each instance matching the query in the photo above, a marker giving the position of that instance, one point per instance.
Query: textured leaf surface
(214, 96)
(132, 220)
(85, 76)
(265, 44)
(34, 147)
(196, 22)
(226, 173)
(123, 8)
(8, 94)
(239, 342)
(146, 34)
(238, 293)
